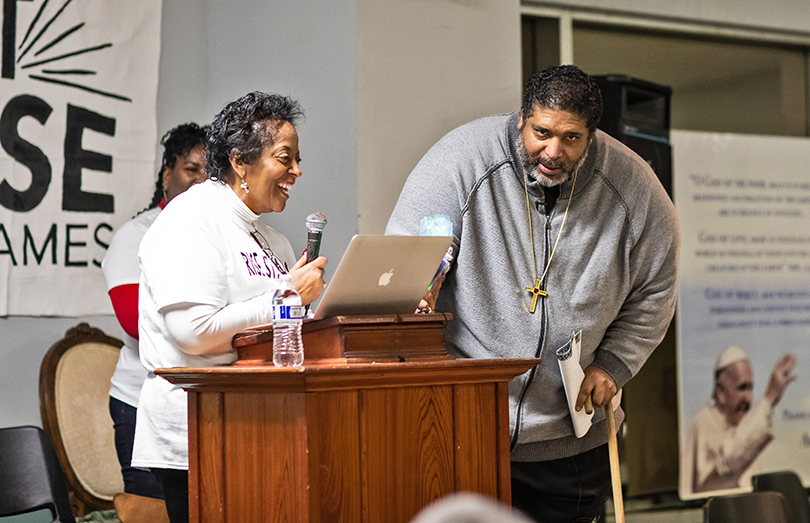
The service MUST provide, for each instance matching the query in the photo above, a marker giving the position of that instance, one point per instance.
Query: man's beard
(531, 165)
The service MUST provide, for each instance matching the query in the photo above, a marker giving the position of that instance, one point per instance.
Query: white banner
(744, 308)
(77, 145)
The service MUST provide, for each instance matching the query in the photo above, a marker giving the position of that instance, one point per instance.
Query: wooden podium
(346, 439)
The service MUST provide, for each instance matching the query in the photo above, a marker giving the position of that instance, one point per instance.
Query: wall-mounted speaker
(636, 113)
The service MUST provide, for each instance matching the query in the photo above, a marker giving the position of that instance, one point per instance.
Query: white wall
(424, 68)
(183, 75)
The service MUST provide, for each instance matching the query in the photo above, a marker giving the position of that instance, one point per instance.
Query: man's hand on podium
(428, 303)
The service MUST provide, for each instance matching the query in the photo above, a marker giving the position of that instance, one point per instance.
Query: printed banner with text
(744, 308)
(78, 132)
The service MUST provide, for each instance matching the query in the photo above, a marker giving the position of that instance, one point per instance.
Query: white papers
(573, 375)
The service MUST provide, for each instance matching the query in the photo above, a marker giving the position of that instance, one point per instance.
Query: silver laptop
(382, 275)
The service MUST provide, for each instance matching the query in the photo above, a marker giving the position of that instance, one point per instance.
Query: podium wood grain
(345, 443)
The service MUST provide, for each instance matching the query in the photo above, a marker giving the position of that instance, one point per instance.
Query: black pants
(568, 490)
(175, 492)
(136, 481)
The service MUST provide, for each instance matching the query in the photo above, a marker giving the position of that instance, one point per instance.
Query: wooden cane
(613, 451)
(615, 473)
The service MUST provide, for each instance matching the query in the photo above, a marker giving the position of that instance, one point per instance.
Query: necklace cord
(531, 233)
(554, 249)
(529, 214)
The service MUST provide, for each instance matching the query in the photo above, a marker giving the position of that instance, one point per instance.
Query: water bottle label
(288, 312)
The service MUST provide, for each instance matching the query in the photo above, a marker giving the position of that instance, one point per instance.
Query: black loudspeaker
(636, 113)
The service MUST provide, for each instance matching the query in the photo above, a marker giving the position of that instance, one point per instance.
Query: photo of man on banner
(728, 435)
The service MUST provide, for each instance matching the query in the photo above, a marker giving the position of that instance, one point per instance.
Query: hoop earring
(244, 185)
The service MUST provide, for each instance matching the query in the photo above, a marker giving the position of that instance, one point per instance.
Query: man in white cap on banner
(728, 434)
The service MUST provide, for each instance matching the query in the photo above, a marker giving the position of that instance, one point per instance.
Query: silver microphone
(315, 224)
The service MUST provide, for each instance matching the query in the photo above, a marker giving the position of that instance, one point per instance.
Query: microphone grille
(316, 221)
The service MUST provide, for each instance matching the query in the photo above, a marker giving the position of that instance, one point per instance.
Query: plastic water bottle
(288, 315)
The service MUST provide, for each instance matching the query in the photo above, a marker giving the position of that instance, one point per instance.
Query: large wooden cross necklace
(536, 290)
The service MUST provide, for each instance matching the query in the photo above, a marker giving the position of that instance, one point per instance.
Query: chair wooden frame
(83, 500)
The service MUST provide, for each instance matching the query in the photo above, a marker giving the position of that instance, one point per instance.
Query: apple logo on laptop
(385, 278)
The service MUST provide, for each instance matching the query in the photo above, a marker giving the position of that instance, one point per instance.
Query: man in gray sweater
(557, 228)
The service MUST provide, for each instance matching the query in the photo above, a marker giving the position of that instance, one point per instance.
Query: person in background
(183, 165)
(557, 228)
(209, 268)
(728, 435)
